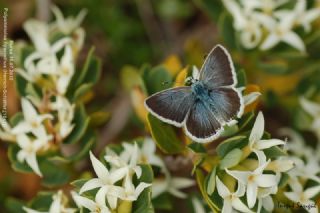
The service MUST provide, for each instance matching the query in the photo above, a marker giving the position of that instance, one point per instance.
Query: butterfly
(207, 105)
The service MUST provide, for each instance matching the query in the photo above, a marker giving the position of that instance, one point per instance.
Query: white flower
(65, 115)
(131, 192)
(282, 30)
(32, 120)
(39, 34)
(57, 205)
(303, 196)
(127, 160)
(66, 70)
(105, 181)
(264, 198)
(246, 22)
(97, 206)
(69, 24)
(231, 199)
(256, 144)
(29, 150)
(172, 185)
(5, 131)
(250, 98)
(197, 205)
(314, 110)
(145, 154)
(305, 17)
(296, 143)
(306, 170)
(253, 180)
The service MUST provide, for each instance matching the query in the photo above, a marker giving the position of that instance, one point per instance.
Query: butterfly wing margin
(218, 69)
(171, 105)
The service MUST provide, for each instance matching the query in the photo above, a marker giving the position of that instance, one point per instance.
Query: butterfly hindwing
(218, 69)
(171, 105)
(201, 124)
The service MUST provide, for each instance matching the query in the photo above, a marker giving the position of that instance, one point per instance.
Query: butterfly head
(190, 81)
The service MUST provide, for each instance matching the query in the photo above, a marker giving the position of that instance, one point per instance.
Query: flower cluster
(115, 184)
(304, 179)
(145, 154)
(47, 112)
(257, 176)
(313, 109)
(268, 22)
(59, 204)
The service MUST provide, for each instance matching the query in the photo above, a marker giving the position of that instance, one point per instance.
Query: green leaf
(87, 142)
(164, 136)
(42, 201)
(81, 91)
(197, 147)
(212, 8)
(53, 175)
(85, 69)
(17, 165)
(79, 183)
(212, 181)
(242, 78)
(274, 152)
(81, 121)
(225, 26)
(143, 204)
(14, 120)
(33, 91)
(130, 77)
(162, 202)
(246, 121)
(21, 85)
(284, 180)
(231, 159)
(98, 119)
(94, 71)
(158, 79)
(14, 205)
(231, 143)
(201, 184)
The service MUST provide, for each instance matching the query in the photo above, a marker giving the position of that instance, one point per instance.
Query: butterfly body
(211, 102)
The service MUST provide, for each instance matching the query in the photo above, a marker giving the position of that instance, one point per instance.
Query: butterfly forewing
(171, 105)
(218, 69)
(226, 102)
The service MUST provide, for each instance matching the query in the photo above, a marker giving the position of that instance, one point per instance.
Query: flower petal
(294, 40)
(257, 130)
(223, 191)
(85, 202)
(241, 176)
(140, 188)
(265, 144)
(238, 205)
(311, 192)
(266, 180)
(91, 184)
(100, 169)
(33, 163)
(252, 191)
(271, 41)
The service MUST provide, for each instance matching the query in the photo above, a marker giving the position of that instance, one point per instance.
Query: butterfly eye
(189, 80)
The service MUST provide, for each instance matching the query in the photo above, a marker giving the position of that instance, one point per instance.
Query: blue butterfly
(205, 107)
